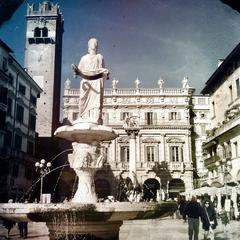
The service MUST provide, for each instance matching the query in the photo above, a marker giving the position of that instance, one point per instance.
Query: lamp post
(43, 167)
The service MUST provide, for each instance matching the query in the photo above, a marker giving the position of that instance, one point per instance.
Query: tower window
(40, 32)
(44, 32)
(37, 32)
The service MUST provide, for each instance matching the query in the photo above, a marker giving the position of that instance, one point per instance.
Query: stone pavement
(171, 229)
(158, 229)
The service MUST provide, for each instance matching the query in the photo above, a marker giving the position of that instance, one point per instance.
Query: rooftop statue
(93, 72)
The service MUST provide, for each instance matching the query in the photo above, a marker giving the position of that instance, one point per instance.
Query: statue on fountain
(87, 132)
(93, 72)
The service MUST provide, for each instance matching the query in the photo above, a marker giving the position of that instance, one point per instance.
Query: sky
(144, 39)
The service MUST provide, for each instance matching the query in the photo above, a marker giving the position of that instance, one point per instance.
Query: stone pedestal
(86, 188)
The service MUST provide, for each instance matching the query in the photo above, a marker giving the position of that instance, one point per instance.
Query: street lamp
(43, 167)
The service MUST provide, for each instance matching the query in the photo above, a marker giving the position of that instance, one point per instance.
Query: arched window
(44, 32)
(37, 32)
(150, 187)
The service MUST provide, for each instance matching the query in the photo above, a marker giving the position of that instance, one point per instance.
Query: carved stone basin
(94, 221)
(86, 132)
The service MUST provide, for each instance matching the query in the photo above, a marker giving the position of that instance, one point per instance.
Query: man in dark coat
(194, 211)
(209, 220)
(182, 204)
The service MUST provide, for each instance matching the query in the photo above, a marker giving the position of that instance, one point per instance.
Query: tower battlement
(45, 8)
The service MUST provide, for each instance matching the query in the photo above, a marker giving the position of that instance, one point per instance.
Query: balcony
(211, 160)
(227, 126)
(176, 166)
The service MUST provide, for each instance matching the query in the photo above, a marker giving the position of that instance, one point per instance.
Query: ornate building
(18, 99)
(222, 147)
(163, 142)
(201, 125)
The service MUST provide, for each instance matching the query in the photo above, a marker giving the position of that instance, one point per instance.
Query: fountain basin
(100, 220)
(86, 132)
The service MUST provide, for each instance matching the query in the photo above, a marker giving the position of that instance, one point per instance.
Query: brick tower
(43, 56)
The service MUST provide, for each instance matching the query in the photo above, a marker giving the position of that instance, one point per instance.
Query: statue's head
(92, 45)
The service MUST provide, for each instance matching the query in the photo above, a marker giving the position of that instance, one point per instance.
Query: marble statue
(137, 83)
(114, 83)
(93, 72)
(161, 83)
(67, 84)
(185, 83)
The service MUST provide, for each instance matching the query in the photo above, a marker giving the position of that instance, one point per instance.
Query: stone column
(132, 133)
(162, 158)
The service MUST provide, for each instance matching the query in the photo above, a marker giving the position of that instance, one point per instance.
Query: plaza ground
(157, 229)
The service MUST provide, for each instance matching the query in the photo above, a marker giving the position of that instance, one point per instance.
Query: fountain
(83, 215)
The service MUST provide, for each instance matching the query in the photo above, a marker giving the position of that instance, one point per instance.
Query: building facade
(43, 58)
(18, 99)
(222, 147)
(201, 125)
(164, 158)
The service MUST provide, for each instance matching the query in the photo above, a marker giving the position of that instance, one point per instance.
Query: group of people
(193, 212)
(9, 224)
(22, 226)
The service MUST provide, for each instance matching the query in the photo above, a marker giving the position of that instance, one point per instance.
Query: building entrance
(150, 187)
(175, 187)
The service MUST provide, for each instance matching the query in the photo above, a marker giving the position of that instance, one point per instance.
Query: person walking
(182, 205)
(23, 229)
(194, 211)
(8, 224)
(210, 220)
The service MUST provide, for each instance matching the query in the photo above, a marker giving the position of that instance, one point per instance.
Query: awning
(216, 184)
(212, 191)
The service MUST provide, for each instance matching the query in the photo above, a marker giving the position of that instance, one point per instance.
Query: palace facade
(164, 142)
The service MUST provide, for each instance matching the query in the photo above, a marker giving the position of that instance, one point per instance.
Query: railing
(134, 91)
(176, 166)
(231, 123)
